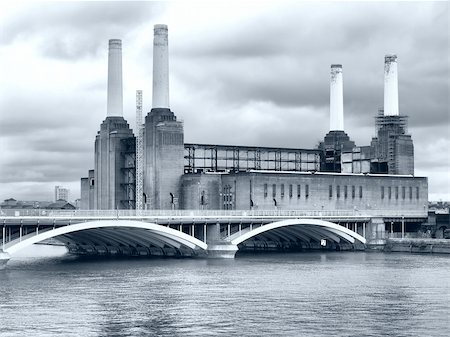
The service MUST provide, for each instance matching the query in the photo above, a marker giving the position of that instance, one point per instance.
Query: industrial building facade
(337, 175)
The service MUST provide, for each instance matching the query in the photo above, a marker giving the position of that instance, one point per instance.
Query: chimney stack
(160, 67)
(336, 99)
(390, 86)
(115, 99)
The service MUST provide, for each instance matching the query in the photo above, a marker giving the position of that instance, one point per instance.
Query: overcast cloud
(244, 73)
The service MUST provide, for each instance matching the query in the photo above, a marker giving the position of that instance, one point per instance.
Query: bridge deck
(61, 217)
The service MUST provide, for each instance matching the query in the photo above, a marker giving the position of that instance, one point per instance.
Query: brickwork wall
(84, 203)
(91, 176)
(194, 186)
(404, 155)
(169, 164)
(407, 193)
(109, 161)
(163, 159)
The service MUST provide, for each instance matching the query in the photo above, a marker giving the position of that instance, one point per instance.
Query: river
(297, 294)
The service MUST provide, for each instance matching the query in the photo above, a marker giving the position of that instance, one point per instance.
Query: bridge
(191, 233)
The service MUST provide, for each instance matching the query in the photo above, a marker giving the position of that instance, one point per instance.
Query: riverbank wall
(441, 246)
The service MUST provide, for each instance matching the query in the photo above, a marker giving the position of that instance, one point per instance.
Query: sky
(250, 73)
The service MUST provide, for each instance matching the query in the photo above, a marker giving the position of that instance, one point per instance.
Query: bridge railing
(211, 213)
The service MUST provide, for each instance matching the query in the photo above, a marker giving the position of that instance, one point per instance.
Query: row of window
(396, 192)
(345, 191)
(282, 192)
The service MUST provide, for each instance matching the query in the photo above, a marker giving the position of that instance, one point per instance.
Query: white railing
(210, 213)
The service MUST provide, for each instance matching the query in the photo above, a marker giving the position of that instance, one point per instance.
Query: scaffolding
(129, 173)
(394, 124)
(221, 158)
(393, 145)
(139, 152)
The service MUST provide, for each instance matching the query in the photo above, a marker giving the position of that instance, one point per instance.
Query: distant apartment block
(61, 193)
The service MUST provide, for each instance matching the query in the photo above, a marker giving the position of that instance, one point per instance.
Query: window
(389, 192)
(353, 192)
(403, 192)
(265, 190)
(382, 192)
(330, 191)
(345, 192)
(290, 191)
(282, 190)
(360, 192)
(410, 192)
(338, 191)
(306, 191)
(417, 192)
(227, 197)
(274, 190)
(202, 198)
(298, 191)
(396, 192)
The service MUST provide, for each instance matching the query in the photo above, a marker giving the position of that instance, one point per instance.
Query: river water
(298, 294)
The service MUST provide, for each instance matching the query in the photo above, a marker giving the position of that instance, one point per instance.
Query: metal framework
(395, 124)
(220, 158)
(139, 152)
(129, 173)
(393, 142)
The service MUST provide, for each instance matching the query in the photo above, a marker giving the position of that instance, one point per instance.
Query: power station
(155, 169)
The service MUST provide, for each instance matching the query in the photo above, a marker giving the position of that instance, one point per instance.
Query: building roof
(61, 204)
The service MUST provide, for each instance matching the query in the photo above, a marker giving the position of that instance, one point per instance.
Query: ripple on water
(304, 294)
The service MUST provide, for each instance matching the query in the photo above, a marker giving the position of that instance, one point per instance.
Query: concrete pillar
(213, 234)
(218, 248)
(115, 92)
(222, 251)
(160, 67)
(204, 233)
(376, 237)
(390, 86)
(336, 99)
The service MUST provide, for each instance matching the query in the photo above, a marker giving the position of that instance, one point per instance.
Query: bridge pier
(222, 251)
(376, 235)
(218, 248)
(4, 258)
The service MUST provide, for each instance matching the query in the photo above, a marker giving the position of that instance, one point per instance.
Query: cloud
(247, 73)
(285, 59)
(73, 30)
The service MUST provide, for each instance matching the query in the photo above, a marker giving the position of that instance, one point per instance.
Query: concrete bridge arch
(114, 236)
(300, 230)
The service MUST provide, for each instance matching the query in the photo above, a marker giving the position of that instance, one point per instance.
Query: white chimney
(390, 86)
(115, 99)
(160, 67)
(336, 99)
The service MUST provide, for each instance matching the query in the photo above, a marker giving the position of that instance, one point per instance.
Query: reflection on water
(301, 294)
